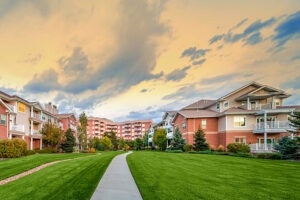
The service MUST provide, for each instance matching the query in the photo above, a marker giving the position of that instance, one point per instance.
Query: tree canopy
(160, 138)
(52, 134)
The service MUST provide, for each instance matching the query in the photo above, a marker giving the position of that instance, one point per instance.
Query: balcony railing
(259, 106)
(17, 127)
(273, 125)
(36, 116)
(260, 148)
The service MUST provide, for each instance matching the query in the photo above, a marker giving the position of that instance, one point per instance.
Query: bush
(12, 148)
(46, 150)
(85, 151)
(220, 148)
(272, 156)
(212, 147)
(187, 147)
(29, 152)
(238, 148)
(244, 155)
(92, 150)
(287, 146)
(75, 149)
(173, 151)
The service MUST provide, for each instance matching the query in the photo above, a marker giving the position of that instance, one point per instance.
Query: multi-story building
(166, 124)
(129, 130)
(253, 114)
(67, 121)
(23, 119)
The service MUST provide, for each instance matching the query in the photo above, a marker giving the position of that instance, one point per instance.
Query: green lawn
(73, 179)
(11, 167)
(162, 175)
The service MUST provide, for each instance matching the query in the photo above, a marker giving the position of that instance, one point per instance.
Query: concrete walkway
(117, 182)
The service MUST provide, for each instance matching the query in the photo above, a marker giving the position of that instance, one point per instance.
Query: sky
(136, 59)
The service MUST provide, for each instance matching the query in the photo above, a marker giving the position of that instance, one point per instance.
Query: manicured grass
(73, 179)
(11, 167)
(162, 175)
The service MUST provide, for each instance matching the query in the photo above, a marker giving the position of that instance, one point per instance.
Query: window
(203, 123)
(21, 107)
(226, 104)
(240, 140)
(218, 106)
(239, 121)
(184, 126)
(3, 120)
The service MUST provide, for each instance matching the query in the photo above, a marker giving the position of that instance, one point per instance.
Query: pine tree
(295, 123)
(70, 141)
(200, 141)
(177, 141)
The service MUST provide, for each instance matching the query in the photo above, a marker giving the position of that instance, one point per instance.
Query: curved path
(117, 182)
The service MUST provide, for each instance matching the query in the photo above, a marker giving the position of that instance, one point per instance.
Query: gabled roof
(196, 113)
(171, 113)
(259, 86)
(6, 106)
(201, 104)
(65, 115)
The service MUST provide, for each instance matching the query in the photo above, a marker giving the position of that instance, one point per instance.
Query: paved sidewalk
(117, 182)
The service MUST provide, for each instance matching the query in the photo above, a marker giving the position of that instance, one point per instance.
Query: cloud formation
(178, 74)
(194, 53)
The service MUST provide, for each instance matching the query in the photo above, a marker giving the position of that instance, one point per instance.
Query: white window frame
(2, 115)
(240, 126)
(226, 102)
(184, 127)
(202, 124)
(243, 137)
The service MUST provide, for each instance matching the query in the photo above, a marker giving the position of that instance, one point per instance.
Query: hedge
(238, 148)
(12, 148)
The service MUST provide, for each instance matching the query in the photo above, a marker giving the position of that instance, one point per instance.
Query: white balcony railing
(260, 148)
(273, 125)
(36, 116)
(17, 127)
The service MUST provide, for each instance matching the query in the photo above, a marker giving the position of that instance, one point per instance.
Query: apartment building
(129, 130)
(23, 119)
(253, 114)
(166, 124)
(67, 121)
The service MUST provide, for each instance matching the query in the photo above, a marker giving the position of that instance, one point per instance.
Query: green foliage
(76, 149)
(238, 148)
(46, 150)
(145, 139)
(131, 144)
(113, 138)
(272, 156)
(173, 151)
(160, 138)
(287, 145)
(12, 148)
(122, 144)
(82, 132)
(106, 143)
(187, 147)
(177, 141)
(29, 152)
(200, 141)
(52, 135)
(139, 143)
(295, 123)
(69, 142)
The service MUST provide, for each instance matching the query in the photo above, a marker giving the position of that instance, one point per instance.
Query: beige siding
(250, 122)
(23, 118)
(222, 124)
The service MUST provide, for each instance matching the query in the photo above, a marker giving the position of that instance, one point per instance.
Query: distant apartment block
(129, 130)
(23, 119)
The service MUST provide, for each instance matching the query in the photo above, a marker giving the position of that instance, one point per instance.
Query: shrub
(272, 156)
(12, 148)
(287, 146)
(173, 151)
(220, 148)
(238, 148)
(212, 147)
(187, 147)
(85, 151)
(29, 152)
(75, 149)
(92, 150)
(244, 155)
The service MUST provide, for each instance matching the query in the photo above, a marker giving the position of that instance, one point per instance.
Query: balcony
(272, 127)
(170, 135)
(36, 117)
(17, 128)
(259, 106)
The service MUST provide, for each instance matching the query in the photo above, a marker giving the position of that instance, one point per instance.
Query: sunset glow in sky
(135, 59)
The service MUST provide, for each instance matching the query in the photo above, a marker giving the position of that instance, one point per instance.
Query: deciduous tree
(160, 138)
(106, 143)
(52, 135)
(139, 143)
